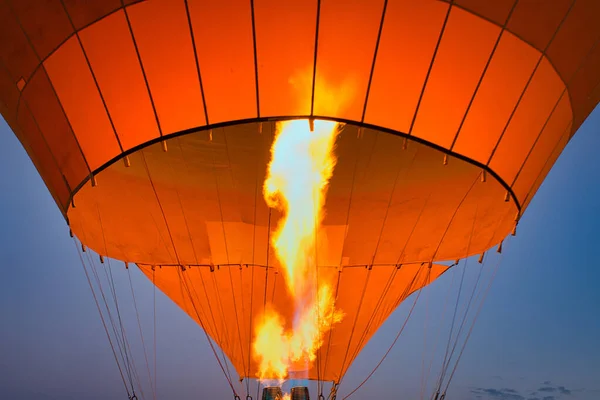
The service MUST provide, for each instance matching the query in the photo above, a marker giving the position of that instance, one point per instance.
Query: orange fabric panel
(385, 292)
(526, 124)
(285, 42)
(576, 37)
(462, 55)
(42, 157)
(410, 32)
(85, 12)
(46, 23)
(9, 94)
(228, 302)
(223, 36)
(473, 211)
(556, 152)
(556, 128)
(99, 209)
(347, 36)
(584, 88)
(164, 40)
(496, 10)
(109, 47)
(55, 128)
(81, 101)
(16, 53)
(535, 22)
(496, 98)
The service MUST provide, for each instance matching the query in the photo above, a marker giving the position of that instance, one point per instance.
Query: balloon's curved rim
(358, 124)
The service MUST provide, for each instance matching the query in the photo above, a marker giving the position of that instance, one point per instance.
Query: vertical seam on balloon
(459, 205)
(49, 151)
(412, 161)
(566, 90)
(566, 131)
(337, 288)
(533, 73)
(199, 271)
(395, 339)
(370, 322)
(139, 57)
(430, 68)
(162, 211)
(384, 293)
(64, 41)
(193, 247)
(227, 256)
(192, 36)
(137, 314)
(101, 315)
(377, 42)
(414, 228)
(26, 145)
(358, 310)
(228, 378)
(96, 83)
(255, 52)
(53, 88)
(314, 74)
(256, 186)
(227, 250)
(359, 148)
(483, 73)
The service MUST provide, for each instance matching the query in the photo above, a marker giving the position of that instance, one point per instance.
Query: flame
(298, 175)
(301, 165)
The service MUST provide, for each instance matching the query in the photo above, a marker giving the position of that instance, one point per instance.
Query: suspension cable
(395, 338)
(212, 346)
(137, 314)
(485, 294)
(101, 317)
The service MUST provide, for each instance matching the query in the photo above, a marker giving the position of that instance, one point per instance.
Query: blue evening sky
(536, 338)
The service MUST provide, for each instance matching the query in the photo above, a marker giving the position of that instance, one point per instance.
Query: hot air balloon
(155, 124)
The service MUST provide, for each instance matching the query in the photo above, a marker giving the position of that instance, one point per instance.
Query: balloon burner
(300, 393)
(272, 393)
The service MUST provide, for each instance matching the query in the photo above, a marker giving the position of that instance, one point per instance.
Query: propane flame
(298, 175)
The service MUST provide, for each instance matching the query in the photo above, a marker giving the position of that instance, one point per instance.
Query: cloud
(555, 389)
(503, 394)
(563, 390)
(547, 389)
(546, 392)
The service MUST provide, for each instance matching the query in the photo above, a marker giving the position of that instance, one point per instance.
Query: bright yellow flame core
(298, 175)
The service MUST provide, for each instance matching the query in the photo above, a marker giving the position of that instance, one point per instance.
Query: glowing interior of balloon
(302, 163)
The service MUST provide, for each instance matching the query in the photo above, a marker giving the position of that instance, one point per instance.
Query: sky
(536, 337)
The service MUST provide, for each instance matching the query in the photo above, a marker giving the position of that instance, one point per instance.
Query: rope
(216, 330)
(101, 316)
(154, 322)
(112, 323)
(112, 288)
(137, 314)
(185, 284)
(427, 296)
(394, 341)
(496, 268)
(227, 250)
(439, 333)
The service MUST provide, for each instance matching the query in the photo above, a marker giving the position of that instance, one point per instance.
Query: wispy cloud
(546, 392)
(492, 393)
